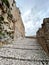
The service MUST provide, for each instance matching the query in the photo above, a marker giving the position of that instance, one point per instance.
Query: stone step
(23, 54)
(26, 42)
(23, 46)
(20, 62)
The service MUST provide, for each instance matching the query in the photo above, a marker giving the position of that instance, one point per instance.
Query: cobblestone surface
(23, 52)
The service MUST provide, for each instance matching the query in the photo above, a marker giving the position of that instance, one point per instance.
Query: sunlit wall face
(33, 12)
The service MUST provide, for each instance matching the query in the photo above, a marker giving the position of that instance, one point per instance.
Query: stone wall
(6, 31)
(19, 26)
(43, 35)
(11, 25)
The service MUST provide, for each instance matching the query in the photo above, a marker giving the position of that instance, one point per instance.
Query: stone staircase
(23, 52)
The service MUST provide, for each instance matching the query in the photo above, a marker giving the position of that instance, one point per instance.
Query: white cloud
(26, 13)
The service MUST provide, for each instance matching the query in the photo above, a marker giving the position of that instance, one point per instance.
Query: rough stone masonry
(11, 25)
(43, 35)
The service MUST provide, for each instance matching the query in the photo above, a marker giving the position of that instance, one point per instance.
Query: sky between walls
(33, 12)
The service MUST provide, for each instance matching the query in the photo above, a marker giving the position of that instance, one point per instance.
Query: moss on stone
(6, 3)
(1, 18)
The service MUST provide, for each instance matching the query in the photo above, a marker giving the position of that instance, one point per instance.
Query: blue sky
(33, 12)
